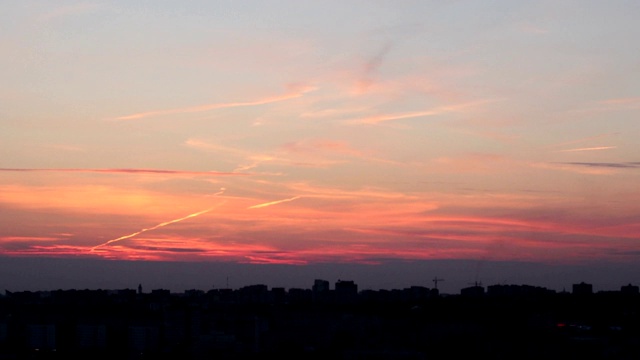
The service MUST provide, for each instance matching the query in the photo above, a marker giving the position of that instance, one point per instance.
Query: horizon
(49, 274)
(376, 140)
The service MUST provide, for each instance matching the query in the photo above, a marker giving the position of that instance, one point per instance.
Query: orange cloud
(128, 171)
(94, 199)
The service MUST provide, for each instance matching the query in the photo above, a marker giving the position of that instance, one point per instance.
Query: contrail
(589, 149)
(290, 95)
(152, 228)
(160, 225)
(222, 190)
(188, 217)
(273, 203)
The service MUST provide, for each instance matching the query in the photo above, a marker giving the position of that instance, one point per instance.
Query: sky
(383, 138)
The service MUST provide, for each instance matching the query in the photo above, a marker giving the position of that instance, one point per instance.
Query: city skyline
(378, 140)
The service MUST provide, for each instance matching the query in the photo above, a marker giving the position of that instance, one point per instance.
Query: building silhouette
(506, 321)
(630, 290)
(582, 289)
(346, 291)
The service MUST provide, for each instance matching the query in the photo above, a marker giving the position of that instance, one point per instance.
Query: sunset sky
(322, 133)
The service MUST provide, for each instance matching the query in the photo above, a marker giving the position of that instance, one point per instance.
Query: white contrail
(153, 228)
(193, 109)
(273, 203)
(161, 224)
(189, 217)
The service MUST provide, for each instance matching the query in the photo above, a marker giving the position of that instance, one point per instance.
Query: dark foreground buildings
(500, 322)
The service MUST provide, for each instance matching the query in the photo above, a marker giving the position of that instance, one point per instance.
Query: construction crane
(435, 282)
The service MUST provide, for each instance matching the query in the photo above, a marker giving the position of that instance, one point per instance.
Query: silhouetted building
(3, 332)
(143, 338)
(41, 336)
(629, 290)
(321, 292)
(472, 291)
(582, 289)
(417, 293)
(517, 290)
(300, 296)
(278, 295)
(320, 286)
(193, 293)
(509, 321)
(254, 294)
(346, 291)
(91, 337)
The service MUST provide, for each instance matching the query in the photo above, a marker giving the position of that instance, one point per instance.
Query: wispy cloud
(630, 101)
(617, 104)
(597, 148)
(297, 92)
(315, 153)
(100, 199)
(377, 119)
(369, 69)
(592, 168)
(372, 120)
(333, 112)
(27, 238)
(64, 147)
(128, 171)
(210, 146)
(608, 165)
(320, 146)
(586, 139)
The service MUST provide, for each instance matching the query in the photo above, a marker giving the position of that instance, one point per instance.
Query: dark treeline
(501, 321)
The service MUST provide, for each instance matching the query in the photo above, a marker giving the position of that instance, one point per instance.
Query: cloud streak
(129, 171)
(374, 120)
(608, 165)
(273, 203)
(589, 149)
(296, 93)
